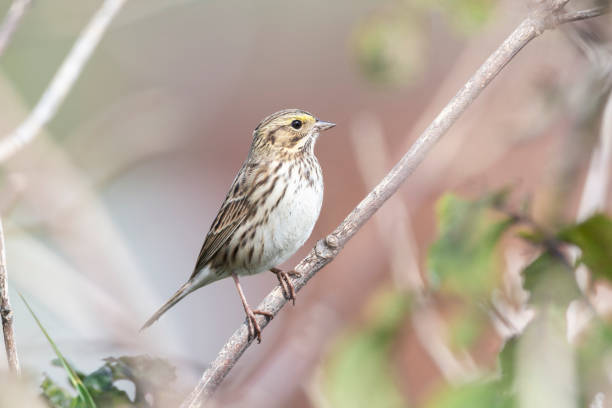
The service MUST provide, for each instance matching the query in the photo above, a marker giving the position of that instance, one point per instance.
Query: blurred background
(105, 212)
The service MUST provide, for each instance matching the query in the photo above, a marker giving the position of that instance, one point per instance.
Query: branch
(11, 21)
(63, 81)
(328, 248)
(6, 313)
(582, 14)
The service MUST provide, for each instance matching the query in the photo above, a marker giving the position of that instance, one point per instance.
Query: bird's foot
(254, 328)
(285, 283)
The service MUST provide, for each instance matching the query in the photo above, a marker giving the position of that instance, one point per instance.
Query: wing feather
(232, 214)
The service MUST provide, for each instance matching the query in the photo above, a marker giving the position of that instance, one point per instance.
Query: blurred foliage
(594, 350)
(492, 393)
(391, 45)
(463, 260)
(550, 280)
(465, 16)
(467, 324)
(149, 376)
(463, 263)
(83, 398)
(594, 238)
(360, 370)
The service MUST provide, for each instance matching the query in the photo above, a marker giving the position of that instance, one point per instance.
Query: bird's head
(288, 132)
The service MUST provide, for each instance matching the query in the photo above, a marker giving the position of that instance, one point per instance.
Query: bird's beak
(324, 125)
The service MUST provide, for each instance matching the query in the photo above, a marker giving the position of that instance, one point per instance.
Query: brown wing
(233, 212)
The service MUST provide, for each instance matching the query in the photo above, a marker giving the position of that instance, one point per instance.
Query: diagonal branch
(11, 21)
(63, 80)
(6, 313)
(328, 248)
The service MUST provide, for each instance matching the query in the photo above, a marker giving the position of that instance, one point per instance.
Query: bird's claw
(254, 328)
(285, 283)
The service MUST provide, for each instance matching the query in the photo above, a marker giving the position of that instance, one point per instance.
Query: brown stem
(545, 17)
(6, 312)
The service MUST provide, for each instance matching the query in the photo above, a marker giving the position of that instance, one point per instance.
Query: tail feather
(183, 291)
(197, 280)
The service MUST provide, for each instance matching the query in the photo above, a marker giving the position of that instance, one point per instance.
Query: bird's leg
(283, 279)
(254, 329)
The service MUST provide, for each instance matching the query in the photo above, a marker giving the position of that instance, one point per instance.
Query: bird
(268, 213)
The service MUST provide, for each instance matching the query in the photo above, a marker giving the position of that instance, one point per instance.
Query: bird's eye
(296, 124)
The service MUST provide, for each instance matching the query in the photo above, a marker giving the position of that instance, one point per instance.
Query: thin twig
(11, 21)
(327, 249)
(63, 80)
(582, 14)
(6, 312)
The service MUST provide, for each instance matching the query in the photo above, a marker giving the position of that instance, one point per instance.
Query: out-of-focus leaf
(55, 395)
(100, 384)
(463, 259)
(550, 281)
(466, 16)
(467, 325)
(507, 364)
(532, 236)
(594, 237)
(359, 371)
(390, 46)
(85, 398)
(149, 374)
(594, 351)
(475, 395)
(483, 393)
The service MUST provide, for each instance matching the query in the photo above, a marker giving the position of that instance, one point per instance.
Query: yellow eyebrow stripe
(304, 118)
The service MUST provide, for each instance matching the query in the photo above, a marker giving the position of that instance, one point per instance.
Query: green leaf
(468, 16)
(534, 237)
(465, 16)
(149, 374)
(550, 281)
(467, 324)
(55, 395)
(463, 259)
(84, 398)
(100, 384)
(483, 393)
(474, 395)
(390, 46)
(359, 370)
(594, 237)
(594, 353)
(506, 358)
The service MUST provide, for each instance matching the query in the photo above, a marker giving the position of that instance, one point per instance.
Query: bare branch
(63, 80)
(6, 313)
(11, 21)
(582, 14)
(328, 248)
